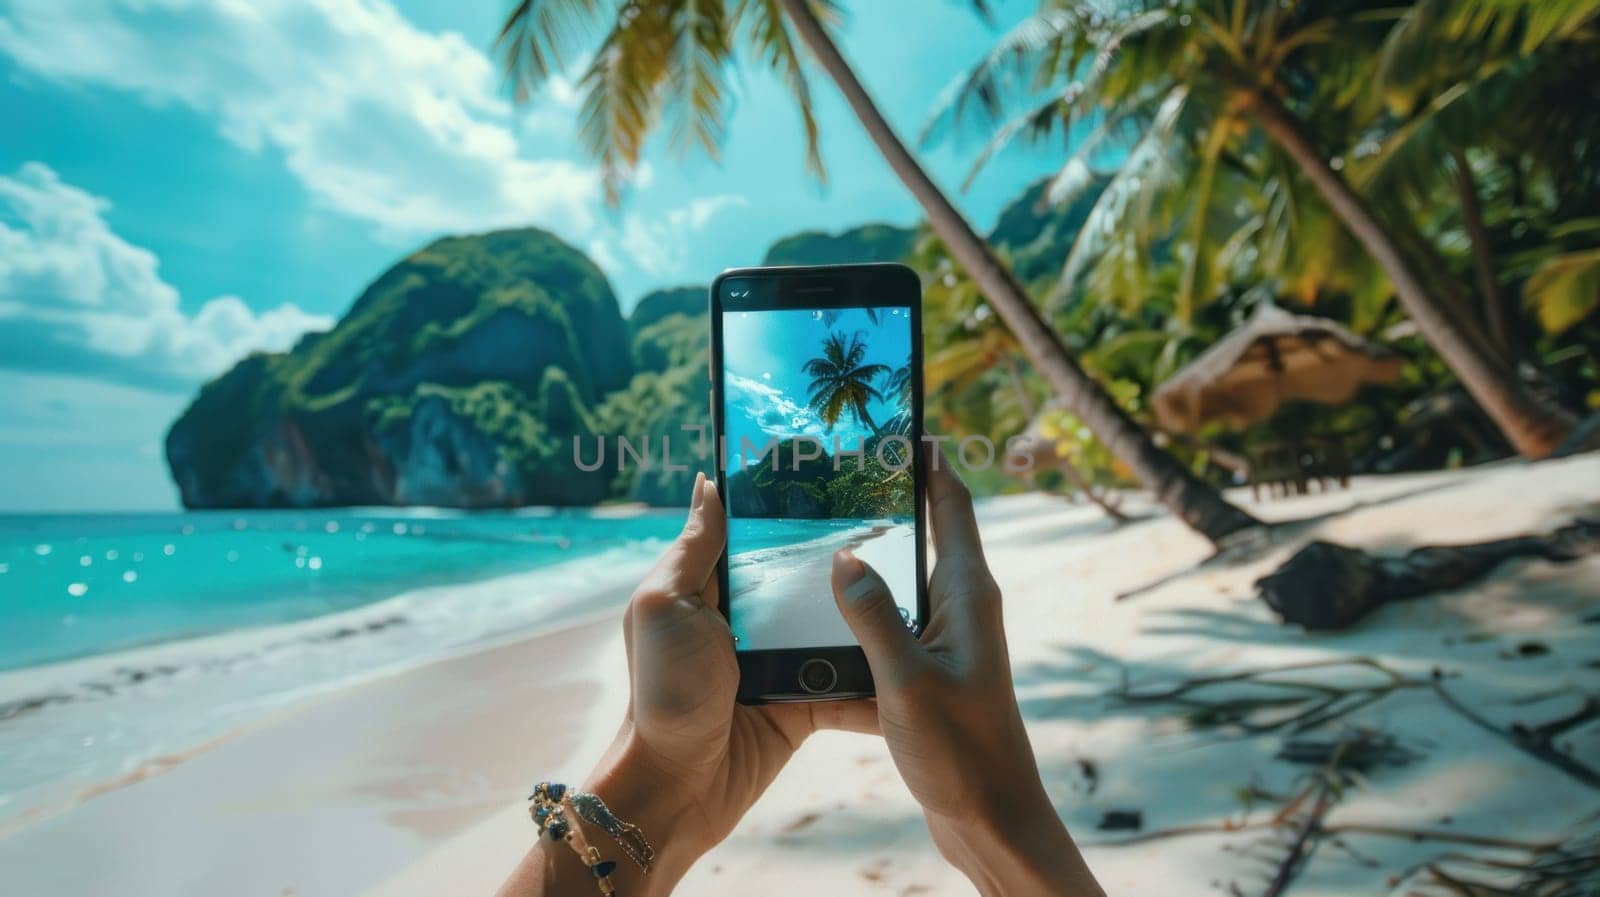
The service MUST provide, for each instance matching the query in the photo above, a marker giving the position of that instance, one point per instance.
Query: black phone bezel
(773, 675)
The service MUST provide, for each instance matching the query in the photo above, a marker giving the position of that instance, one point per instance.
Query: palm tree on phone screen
(842, 381)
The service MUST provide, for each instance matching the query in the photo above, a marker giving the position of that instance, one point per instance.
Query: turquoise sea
(76, 585)
(128, 637)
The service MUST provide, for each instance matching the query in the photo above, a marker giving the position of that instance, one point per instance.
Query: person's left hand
(688, 760)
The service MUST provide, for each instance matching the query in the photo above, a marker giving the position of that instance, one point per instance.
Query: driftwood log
(1328, 586)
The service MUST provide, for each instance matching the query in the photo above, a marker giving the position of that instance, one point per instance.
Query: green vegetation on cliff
(668, 329)
(658, 304)
(787, 483)
(494, 336)
(462, 375)
(867, 243)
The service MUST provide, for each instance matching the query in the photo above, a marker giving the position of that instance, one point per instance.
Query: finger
(799, 719)
(711, 507)
(690, 563)
(859, 715)
(961, 590)
(955, 526)
(868, 607)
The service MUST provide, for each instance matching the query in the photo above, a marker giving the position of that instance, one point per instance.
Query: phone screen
(818, 453)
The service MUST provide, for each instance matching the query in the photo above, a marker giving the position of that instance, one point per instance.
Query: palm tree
(1212, 69)
(898, 385)
(841, 381)
(670, 55)
(897, 389)
(1461, 98)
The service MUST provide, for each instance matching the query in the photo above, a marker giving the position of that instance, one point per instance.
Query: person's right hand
(948, 711)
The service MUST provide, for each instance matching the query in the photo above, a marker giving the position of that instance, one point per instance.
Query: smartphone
(816, 382)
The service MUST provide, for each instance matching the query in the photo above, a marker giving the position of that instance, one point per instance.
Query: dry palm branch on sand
(1295, 699)
(1328, 586)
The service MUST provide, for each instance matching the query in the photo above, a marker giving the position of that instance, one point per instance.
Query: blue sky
(184, 181)
(766, 389)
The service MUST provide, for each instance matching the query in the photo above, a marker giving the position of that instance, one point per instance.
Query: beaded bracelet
(549, 811)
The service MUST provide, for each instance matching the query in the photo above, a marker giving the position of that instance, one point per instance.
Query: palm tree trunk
(1083, 485)
(866, 421)
(1020, 388)
(1430, 267)
(1494, 310)
(1193, 501)
(1534, 426)
(1070, 470)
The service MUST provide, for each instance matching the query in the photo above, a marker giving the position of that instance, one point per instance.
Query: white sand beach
(410, 785)
(782, 597)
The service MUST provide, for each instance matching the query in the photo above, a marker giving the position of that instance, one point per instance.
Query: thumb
(864, 599)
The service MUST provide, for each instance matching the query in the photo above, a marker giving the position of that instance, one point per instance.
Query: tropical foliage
(795, 482)
(667, 56)
(1425, 172)
(665, 59)
(1463, 130)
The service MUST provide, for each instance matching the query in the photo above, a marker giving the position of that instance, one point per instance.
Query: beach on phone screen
(817, 417)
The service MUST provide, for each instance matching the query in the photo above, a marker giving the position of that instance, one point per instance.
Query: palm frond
(1470, 112)
(1522, 25)
(620, 89)
(1034, 51)
(1105, 219)
(1468, 34)
(982, 8)
(1035, 123)
(539, 37)
(1197, 266)
(697, 82)
(1077, 174)
(1565, 289)
(766, 33)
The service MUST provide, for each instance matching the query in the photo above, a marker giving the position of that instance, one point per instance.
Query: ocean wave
(749, 570)
(67, 725)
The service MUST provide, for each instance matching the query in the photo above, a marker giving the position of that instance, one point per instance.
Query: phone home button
(817, 676)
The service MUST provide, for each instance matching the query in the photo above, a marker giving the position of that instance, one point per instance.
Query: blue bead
(603, 868)
(557, 791)
(541, 813)
(557, 831)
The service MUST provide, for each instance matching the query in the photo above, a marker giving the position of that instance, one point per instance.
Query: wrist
(1020, 848)
(638, 791)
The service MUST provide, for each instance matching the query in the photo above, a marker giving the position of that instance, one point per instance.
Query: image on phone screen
(818, 451)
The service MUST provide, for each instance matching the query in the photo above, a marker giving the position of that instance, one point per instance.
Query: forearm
(1022, 851)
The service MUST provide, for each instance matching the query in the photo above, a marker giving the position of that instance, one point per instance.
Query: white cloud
(697, 213)
(77, 298)
(379, 120)
(775, 413)
(772, 411)
(658, 245)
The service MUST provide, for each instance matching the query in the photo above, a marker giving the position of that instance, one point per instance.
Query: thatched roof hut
(1275, 357)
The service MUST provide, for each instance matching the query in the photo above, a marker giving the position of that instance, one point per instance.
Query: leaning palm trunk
(1196, 503)
(1070, 470)
(1082, 484)
(1494, 314)
(1534, 426)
